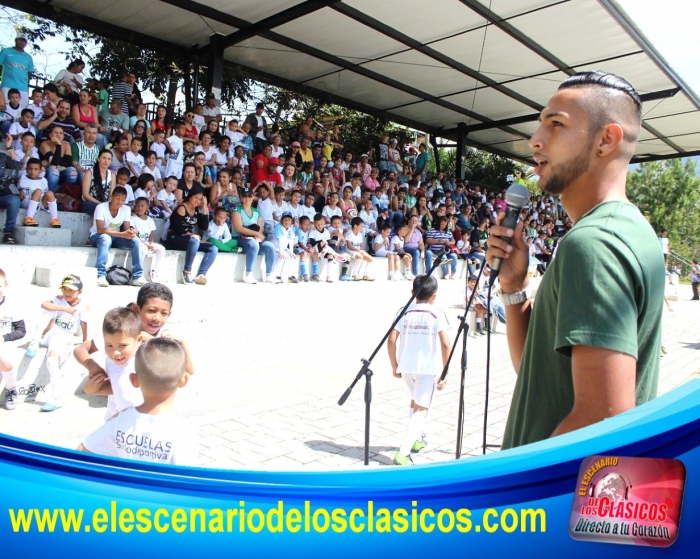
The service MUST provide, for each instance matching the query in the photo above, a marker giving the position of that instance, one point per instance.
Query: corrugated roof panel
(354, 86)
(336, 34)
(638, 69)
(508, 8)
(576, 32)
(491, 137)
(677, 124)
(447, 17)
(491, 104)
(678, 104)
(503, 57)
(276, 59)
(540, 88)
(251, 10)
(430, 112)
(422, 72)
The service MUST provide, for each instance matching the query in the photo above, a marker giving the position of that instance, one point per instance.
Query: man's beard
(566, 173)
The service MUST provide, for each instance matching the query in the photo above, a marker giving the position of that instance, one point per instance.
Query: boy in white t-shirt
(159, 148)
(64, 316)
(19, 127)
(121, 331)
(219, 233)
(134, 160)
(166, 198)
(285, 238)
(28, 151)
(424, 349)
(36, 191)
(397, 253)
(145, 226)
(37, 105)
(176, 148)
(361, 261)
(265, 208)
(149, 432)
(152, 169)
(301, 246)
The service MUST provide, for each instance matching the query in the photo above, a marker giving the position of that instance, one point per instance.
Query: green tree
(668, 194)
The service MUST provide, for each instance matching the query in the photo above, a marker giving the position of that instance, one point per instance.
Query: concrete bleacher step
(47, 266)
(43, 236)
(78, 224)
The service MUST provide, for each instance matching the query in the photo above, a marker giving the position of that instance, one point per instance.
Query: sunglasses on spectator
(189, 115)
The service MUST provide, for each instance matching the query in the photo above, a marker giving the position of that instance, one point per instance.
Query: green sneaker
(418, 446)
(401, 460)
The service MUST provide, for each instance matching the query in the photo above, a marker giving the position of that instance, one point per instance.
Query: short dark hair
(336, 218)
(121, 320)
(160, 365)
(318, 217)
(154, 291)
(123, 172)
(304, 219)
(357, 221)
(118, 190)
(429, 288)
(33, 161)
(220, 209)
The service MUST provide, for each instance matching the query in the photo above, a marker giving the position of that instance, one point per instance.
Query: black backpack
(118, 275)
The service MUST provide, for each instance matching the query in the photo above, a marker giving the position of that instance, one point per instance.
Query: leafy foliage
(668, 194)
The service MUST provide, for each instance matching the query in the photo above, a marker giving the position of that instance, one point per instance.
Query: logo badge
(634, 501)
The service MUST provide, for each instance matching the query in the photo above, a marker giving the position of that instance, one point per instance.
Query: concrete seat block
(43, 236)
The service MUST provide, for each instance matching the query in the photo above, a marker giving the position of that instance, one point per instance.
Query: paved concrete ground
(272, 362)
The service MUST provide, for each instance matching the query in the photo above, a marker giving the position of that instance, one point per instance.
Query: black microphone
(517, 197)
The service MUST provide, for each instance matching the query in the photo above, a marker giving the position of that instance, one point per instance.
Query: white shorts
(421, 388)
(58, 341)
(381, 252)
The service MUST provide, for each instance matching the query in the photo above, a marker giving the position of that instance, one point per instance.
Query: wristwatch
(513, 298)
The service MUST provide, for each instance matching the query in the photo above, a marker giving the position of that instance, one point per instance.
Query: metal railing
(682, 263)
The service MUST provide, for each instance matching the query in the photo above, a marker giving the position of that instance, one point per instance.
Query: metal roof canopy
(447, 67)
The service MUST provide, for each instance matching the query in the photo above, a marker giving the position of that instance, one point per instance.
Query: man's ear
(610, 139)
(134, 380)
(184, 380)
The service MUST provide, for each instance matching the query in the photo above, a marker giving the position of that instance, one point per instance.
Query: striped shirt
(120, 91)
(442, 236)
(84, 156)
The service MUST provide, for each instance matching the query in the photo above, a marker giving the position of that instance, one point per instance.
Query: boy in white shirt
(265, 208)
(235, 133)
(121, 331)
(308, 208)
(198, 119)
(134, 160)
(123, 176)
(424, 349)
(175, 146)
(25, 123)
(159, 148)
(149, 432)
(28, 151)
(166, 197)
(398, 253)
(37, 105)
(284, 243)
(369, 216)
(36, 191)
(318, 241)
(145, 226)
(302, 247)
(361, 261)
(279, 206)
(152, 169)
(219, 234)
(63, 317)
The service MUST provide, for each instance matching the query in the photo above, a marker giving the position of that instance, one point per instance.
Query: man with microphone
(589, 347)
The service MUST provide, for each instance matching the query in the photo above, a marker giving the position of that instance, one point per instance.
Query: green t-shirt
(605, 288)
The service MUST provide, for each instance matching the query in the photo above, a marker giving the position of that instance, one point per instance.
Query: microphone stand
(366, 372)
(463, 330)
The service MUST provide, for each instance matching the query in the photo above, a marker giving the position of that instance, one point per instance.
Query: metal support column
(436, 153)
(195, 86)
(461, 146)
(215, 60)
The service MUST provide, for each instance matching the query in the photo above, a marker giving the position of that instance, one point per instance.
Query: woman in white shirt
(277, 148)
(70, 82)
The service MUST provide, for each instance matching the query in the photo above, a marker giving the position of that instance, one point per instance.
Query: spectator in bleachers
(304, 155)
(51, 99)
(248, 225)
(436, 239)
(9, 201)
(191, 132)
(257, 126)
(363, 167)
(422, 162)
(19, 127)
(61, 118)
(57, 160)
(199, 120)
(247, 141)
(212, 110)
(162, 121)
(213, 129)
(97, 183)
(140, 115)
(84, 113)
(205, 146)
(140, 131)
(413, 243)
(84, 154)
(123, 93)
(120, 148)
(17, 65)
(175, 147)
(111, 227)
(187, 183)
(113, 119)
